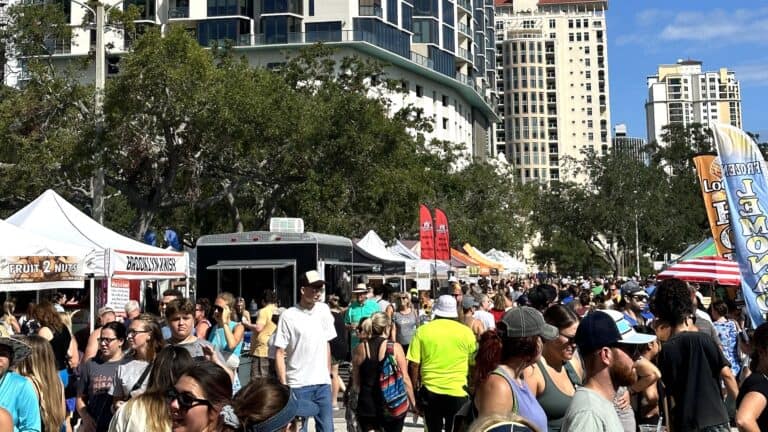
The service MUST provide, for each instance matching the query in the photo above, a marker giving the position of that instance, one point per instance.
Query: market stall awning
(473, 267)
(705, 248)
(481, 258)
(704, 270)
(377, 265)
(251, 264)
(29, 262)
(115, 255)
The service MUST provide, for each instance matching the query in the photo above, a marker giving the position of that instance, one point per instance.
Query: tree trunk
(145, 221)
(234, 211)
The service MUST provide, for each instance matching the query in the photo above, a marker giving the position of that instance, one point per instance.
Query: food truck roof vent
(286, 225)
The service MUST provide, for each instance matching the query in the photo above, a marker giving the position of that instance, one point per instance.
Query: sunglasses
(640, 297)
(570, 340)
(185, 400)
(106, 340)
(633, 351)
(133, 333)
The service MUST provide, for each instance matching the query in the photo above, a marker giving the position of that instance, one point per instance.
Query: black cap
(596, 330)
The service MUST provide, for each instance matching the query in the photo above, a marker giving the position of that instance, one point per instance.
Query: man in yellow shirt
(261, 365)
(439, 357)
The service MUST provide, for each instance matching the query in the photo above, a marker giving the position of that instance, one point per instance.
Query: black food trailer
(249, 263)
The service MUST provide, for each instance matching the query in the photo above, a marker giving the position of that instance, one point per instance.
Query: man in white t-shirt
(609, 346)
(483, 312)
(303, 355)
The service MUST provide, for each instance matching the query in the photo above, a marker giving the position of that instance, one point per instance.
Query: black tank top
(370, 402)
(60, 345)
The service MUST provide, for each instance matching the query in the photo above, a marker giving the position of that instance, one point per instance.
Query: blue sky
(721, 33)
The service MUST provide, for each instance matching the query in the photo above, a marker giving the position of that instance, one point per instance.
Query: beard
(622, 374)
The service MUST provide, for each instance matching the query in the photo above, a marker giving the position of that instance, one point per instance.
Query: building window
(392, 12)
(552, 23)
(445, 123)
(570, 37)
(445, 100)
(426, 8)
(425, 31)
(588, 86)
(570, 23)
(311, 7)
(323, 31)
(419, 90)
(283, 6)
(586, 37)
(589, 99)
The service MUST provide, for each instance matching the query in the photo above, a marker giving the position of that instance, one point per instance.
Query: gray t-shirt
(406, 326)
(590, 412)
(128, 375)
(195, 349)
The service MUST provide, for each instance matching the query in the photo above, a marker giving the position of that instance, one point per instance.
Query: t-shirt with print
(690, 365)
(590, 412)
(304, 335)
(97, 379)
(260, 345)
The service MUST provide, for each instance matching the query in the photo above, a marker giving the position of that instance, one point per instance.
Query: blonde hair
(483, 423)
(380, 323)
(230, 300)
(403, 301)
(365, 328)
(40, 368)
(154, 408)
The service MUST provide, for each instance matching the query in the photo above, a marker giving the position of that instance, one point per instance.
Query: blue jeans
(315, 401)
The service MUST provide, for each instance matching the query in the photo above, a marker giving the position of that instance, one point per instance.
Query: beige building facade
(552, 85)
(682, 93)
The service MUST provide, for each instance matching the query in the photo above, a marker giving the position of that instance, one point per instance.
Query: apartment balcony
(369, 11)
(422, 60)
(465, 4)
(178, 12)
(464, 54)
(463, 28)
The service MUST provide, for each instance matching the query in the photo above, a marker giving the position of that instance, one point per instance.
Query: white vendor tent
(115, 256)
(29, 262)
(511, 264)
(374, 245)
(423, 266)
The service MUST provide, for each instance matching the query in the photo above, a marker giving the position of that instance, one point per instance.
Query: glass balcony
(465, 4)
(371, 11)
(465, 54)
(178, 12)
(463, 28)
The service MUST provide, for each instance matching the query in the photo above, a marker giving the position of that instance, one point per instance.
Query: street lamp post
(97, 181)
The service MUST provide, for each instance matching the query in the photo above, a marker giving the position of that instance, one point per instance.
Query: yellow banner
(710, 178)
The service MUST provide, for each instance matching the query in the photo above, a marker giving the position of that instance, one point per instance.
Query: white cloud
(752, 74)
(717, 26)
(721, 26)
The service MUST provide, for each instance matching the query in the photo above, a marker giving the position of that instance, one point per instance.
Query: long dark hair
(560, 316)
(495, 347)
(214, 381)
(260, 400)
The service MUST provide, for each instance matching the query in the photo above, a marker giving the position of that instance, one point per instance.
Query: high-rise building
(441, 50)
(632, 146)
(552, 82)
(682, 93)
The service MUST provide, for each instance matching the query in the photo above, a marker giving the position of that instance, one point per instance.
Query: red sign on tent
(426, 233)
(442, 236)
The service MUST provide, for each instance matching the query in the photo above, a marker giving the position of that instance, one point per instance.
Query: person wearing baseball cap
(438, 364)
(609, 346)
(303, 353)
(515, 345)
(17, 394)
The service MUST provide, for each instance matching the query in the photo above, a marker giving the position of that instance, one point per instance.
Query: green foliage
(198, 140)
(664, 196)
(570, 255)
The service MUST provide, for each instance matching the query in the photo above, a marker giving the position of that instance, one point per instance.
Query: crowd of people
(563, 355)
(528, 355)
(142, 372)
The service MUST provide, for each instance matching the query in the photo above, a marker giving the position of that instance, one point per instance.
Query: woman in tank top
(404, 320)
(366, 362)
(503, 356)
(554, 377)
(53, 329)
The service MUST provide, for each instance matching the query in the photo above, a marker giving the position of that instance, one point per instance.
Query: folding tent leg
(92, 313)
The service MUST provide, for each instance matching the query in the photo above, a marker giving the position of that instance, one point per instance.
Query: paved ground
(340, 425)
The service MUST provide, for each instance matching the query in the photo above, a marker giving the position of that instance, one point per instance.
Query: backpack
(392, 385)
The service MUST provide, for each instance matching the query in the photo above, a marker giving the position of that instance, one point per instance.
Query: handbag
(392, 385)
